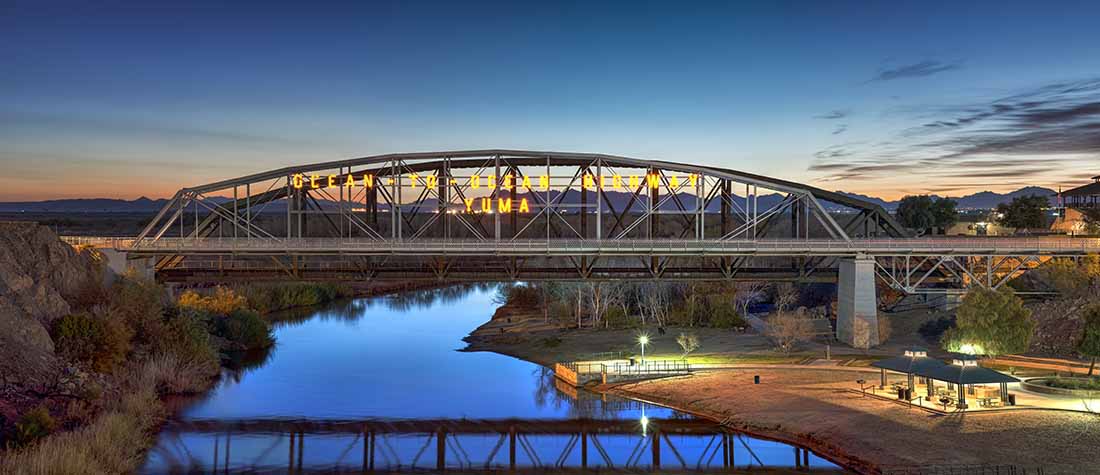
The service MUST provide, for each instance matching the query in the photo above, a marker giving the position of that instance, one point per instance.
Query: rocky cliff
(41, 279)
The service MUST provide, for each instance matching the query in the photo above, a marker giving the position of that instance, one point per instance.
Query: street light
(643, 340)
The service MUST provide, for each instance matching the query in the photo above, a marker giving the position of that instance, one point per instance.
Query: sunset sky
(105, 99)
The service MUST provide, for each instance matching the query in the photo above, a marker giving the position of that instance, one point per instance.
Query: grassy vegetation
(116, 441)
(267, 298)
(1088, 384)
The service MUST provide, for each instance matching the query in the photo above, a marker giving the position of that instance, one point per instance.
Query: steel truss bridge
(525, 215)
(476, 446)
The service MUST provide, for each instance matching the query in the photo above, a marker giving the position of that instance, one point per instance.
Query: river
(392, 363)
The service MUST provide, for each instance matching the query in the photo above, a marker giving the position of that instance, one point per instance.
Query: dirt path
(816, 409)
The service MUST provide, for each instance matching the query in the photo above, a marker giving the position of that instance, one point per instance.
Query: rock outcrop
(41, 278)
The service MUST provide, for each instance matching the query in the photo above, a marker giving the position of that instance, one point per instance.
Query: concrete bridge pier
(118, 262)
(857, 305)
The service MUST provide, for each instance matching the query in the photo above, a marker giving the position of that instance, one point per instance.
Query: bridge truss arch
(366, 217)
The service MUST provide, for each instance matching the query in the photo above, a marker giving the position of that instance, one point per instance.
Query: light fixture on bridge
(643, 340)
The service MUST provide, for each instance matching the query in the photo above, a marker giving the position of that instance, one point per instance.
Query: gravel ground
(816, 408)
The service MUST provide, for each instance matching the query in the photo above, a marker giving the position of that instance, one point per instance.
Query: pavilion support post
(962, 397)
(857, 312)
(931, 388)
(882, 378)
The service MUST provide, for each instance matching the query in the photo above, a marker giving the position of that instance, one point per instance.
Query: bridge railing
(113, 242)
(1035, 244)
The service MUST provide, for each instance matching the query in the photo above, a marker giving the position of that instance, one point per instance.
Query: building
(1082, 197)
(1077, 206)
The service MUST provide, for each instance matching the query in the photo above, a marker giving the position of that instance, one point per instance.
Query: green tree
(991, 322)
(1024, 212)
(915, 212)
(944, 214)
(1089, 345)
(924, 213)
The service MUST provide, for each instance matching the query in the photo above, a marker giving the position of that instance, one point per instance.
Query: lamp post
(643, 340)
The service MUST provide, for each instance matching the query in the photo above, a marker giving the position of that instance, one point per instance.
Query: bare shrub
(688, 343)
(787, 329)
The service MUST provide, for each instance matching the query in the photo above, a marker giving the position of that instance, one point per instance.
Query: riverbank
(816, 407)
(108, 421)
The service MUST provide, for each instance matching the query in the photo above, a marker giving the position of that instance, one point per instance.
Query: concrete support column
(857, 306)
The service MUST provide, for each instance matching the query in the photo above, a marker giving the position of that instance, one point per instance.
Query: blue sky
(123, 100)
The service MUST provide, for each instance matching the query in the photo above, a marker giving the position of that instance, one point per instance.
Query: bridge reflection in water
(472, 446)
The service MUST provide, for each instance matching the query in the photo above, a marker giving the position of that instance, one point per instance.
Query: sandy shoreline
(816, 408)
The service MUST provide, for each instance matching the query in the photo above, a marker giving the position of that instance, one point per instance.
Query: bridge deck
(776, 247)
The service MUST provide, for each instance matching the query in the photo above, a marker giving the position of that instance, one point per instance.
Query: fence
(578, 374)
(963, 469)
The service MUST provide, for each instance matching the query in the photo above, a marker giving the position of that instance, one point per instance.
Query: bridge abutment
(857, 305)
(118, 262)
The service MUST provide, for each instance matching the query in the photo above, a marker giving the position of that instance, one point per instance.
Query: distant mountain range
(980, 200)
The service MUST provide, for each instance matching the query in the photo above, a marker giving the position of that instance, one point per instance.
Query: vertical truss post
(599, 199)
(514, 172)
(289, 198)
(372, 198)
(755, 208)
(393, 193)
(700, 204)
(443, 183)
(236, 213)
(725, 207)
(584, 204)
(494, 195)
(512, 448)
(290, 454)
(440, 450)
(654, 198)
(584, 450)
(549, 182)
(247, 210)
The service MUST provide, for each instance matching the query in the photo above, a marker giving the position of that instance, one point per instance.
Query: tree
(786, 329)
(655, 301)
(688, 343)
(1089, 345)
(915, 212)
(1024, 212)
(944, 214)
(786, 295)
(923, 213)
(746, 293)
(991, 322)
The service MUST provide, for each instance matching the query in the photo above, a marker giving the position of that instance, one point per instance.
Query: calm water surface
(395, 358)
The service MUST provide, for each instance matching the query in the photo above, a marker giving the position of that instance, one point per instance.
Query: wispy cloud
(915, 70)
(834, 114)
(101, 125)
(1040, 135)
(840, 129)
